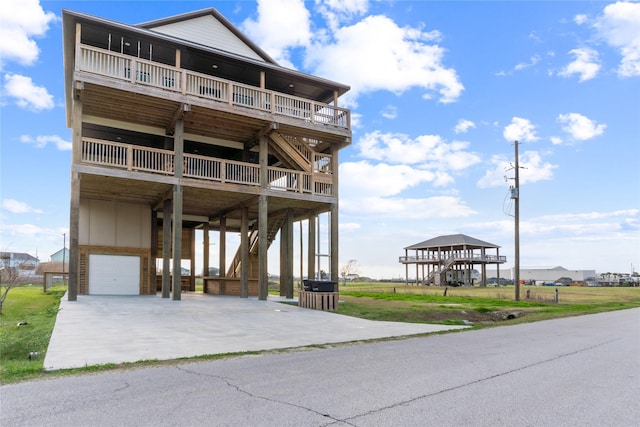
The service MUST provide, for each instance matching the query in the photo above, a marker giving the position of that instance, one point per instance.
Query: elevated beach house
(451, 260)
(184, 124)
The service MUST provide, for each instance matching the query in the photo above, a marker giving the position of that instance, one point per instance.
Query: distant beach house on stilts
(450, 260)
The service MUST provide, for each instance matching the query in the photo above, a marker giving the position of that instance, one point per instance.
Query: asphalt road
(582, 371)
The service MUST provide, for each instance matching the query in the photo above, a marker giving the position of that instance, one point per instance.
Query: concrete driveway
(97, 330)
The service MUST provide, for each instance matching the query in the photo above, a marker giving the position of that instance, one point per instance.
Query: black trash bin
(319, 285)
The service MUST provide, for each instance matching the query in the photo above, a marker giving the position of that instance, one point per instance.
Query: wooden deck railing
(145, 159)
(145, 72)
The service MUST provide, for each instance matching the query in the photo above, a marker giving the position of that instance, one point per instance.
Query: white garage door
(114, 275)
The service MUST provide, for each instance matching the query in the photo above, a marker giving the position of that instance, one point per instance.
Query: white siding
(208, 31)
(114, 275)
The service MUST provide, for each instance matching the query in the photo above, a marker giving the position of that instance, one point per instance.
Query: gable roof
(17, 257)
(452, 240)
(209, 28)
(59, 252)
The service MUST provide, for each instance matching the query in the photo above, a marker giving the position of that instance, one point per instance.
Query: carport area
(96, 330)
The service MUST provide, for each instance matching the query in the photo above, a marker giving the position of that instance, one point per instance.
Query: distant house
(451, 260)
(23, 262)
(62, 256)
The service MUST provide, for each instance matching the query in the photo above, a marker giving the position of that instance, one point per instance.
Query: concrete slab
(97, 330)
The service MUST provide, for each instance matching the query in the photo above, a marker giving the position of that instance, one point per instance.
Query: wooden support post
(222, 257)
(192, 267)
(406, 268)
(154, 253)
(284, 239)
(263, 245)
(178, 144)
(498, 267)
(334, 240)
(74, 202)
(178, 147)
(483, 283)
(205, 249)
(244, 252)
(289, 288)
(166, 248)
(177, 241)
(74, 230)
(78, 58)
(286, 256)
(335, 269)
(263, 221)
(311, 247)
(301, 255)
(263, 101)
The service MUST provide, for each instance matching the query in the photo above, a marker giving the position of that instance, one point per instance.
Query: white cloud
(533, 169)
(589, 226)
(336, 12)
(396, 59)
(520, 130)
(348, 227)
(407, 209)
(42, 141)
(426, 151)
(586, 64)
(26, 94)
(390, 112)
(580, 19)
(619, 26)
(556, 140)
(280, 26)
(22, 230)
(534, 36)
(581, 217)
(20, 22)
(17, 207)
(31, 238)
(464, 125)
(532, 61)
(363, 179)
(580, 127)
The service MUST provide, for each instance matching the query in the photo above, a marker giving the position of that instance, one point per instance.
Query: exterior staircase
(291, 151)
(275, 222)
(443, 269)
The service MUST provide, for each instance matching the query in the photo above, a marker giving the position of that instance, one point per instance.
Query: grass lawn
(25, 327)
(480, 307)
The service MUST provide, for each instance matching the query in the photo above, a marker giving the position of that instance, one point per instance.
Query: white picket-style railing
(141, 71)
(153, 160)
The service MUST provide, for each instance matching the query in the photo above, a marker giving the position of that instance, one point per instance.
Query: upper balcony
(146, 73)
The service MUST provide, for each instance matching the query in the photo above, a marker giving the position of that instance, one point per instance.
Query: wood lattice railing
(158, 161)
(141, 71)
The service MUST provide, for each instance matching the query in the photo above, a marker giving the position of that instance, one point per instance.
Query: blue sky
(440, 90)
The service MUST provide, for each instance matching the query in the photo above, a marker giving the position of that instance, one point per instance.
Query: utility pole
(515, 195)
